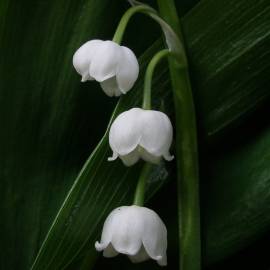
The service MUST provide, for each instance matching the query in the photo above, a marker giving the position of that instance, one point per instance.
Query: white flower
(114, 66)
(135, 231)
(139, 133)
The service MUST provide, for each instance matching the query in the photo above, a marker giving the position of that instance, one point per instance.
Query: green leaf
(236, 195)
(228, 46)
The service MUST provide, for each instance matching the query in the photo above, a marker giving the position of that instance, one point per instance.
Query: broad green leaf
(228, 46)
(236, 191)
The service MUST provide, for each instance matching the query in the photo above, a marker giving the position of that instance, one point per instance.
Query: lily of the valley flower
(134, 231)
(140, 133)
(114, 66)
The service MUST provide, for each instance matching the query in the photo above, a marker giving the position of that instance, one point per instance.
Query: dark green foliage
(51, 122)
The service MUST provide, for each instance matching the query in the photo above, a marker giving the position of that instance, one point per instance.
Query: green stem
(187, 155)
(140, 189)
(173, 42)
(149, 75)
(169, 14)
(118, 36)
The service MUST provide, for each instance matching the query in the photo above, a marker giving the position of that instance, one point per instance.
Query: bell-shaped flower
(135, 231)
(114, 66)
(139, 133)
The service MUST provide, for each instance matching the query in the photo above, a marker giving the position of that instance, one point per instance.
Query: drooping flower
(135, 231)
(114, 66)
(139, 133)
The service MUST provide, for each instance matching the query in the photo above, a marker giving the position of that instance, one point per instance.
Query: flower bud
(114, 66)
(140, 133)
(135, 231)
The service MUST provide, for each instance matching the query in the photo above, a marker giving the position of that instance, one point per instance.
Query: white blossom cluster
(135, 231)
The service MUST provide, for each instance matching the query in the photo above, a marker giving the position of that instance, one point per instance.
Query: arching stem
(118, 36)
(149, 75)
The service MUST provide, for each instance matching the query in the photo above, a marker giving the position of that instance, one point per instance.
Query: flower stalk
(187, 155)
(140, 189)
(172, 40)
(119, 33)
(148, 77)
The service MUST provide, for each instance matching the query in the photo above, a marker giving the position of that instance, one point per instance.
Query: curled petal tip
(98, 246)
(162, 262)
(122, 91)
(84, 79)
(114, 157)
(168, 157)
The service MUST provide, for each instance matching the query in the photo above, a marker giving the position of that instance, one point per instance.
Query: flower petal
(131, 158)
(127, 235)
(162, 260)
(110, 252)
(100, 246)
(141, 256)
(128, 70)
(125, 132)
(167, 156)
(109, 227)
(157, 133)
(83, 56)
(110, 87)
(113, 157)
(148, 157)
(104, 62)
(155, 236)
